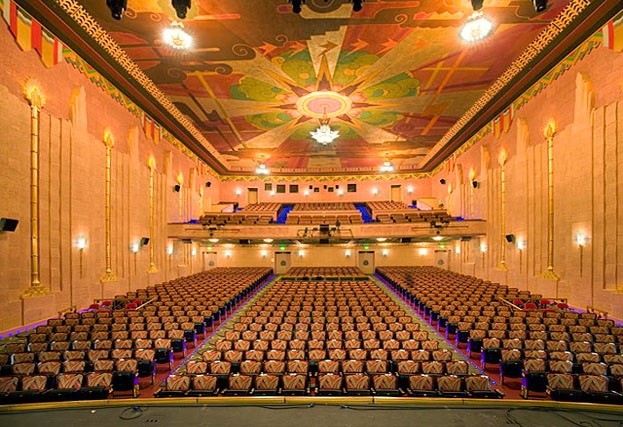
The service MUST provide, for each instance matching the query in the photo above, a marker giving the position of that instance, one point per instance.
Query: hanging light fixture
(176, 37)
(323, 134)
(387, 166)
(476, 28)
(262, 170)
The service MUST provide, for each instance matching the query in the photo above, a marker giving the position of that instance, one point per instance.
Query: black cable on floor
(131, 413)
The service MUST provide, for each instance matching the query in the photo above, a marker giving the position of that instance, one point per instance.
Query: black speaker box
(405, 240)
(244, 241)
(208, 184)
(8, 224)
(177, 188)
(144, 241)
(510, 238)
(324, 241)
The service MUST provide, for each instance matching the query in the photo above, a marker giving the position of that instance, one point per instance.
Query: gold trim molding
(109, 142)
(36, 100)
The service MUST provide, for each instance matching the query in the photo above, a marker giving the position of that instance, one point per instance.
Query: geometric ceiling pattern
(392, 78)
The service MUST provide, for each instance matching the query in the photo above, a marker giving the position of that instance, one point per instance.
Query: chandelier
(323, 134)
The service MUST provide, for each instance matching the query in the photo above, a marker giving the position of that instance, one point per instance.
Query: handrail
(597, 311)
(71, 309)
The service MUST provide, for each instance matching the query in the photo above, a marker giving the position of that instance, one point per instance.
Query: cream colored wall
(317, 256)
(72, 164)
(411, 189)
(586, 106)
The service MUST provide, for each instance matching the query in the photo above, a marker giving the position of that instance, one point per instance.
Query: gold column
(472, 175)
(502, 160)
(36, 99)
(109, 142)
(549, 132)
(152, 207)
(180, 181)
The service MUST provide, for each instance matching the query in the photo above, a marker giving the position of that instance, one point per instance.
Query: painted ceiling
(392, 78)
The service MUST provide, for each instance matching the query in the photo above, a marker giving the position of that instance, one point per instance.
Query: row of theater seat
(127, 344)
(339, 333)
(328, 384)
(549, 350)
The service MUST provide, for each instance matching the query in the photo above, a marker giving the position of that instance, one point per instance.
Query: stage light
(477, 4)
(296, 5)
(181, 7)
(539, 5)
(117, 8)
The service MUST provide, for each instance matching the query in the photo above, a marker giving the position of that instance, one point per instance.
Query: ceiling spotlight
(539, 5)
(477, 4)
(177, 38)
(296, 5)
(181, 7)
(357, 5)
(117, 8)
(476, 28)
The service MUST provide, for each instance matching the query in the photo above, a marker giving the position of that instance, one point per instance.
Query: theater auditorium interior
(311, 212)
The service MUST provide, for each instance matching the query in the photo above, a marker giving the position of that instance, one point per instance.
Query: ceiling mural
(391, 78)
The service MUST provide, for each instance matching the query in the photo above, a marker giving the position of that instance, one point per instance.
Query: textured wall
(586, 105)
(72, 165)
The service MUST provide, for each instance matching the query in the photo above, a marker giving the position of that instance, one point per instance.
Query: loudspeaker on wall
(510, 238)
(8, 224)
(144, 241)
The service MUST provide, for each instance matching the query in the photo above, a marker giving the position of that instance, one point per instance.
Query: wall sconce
(422, 251)
(385, 252)
(410, 189)
(81, 244)
(227, 254)
(340, 192)
(272, 193)
(134, 248)
(347, 253)
(238, 192)
(483, 251)
(264, 253)
(170, 254)
(457, 250)
(521, 245)
(375, 191)
(301, 253)
(580, 240)
(193, 252)
(305, 193)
